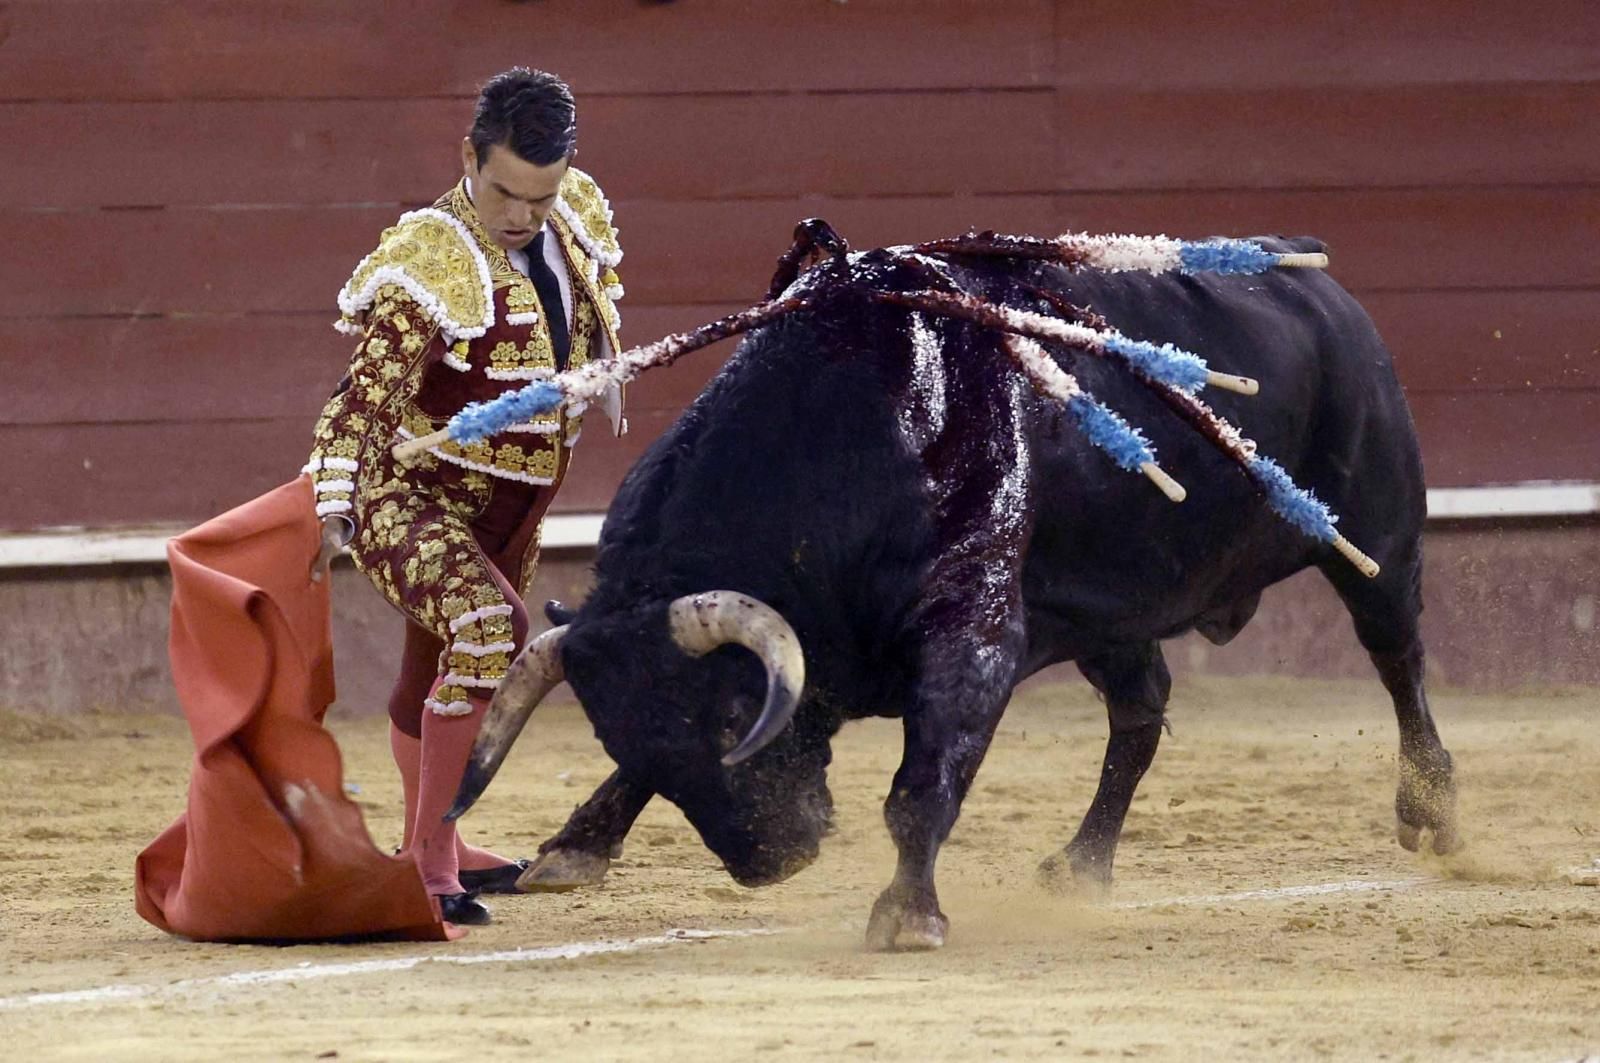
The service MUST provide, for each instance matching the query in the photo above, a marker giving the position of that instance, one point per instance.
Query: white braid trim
(490, 470)
(450, 708)
(455, 363)
(476, 649)
(338, 505)
(314, 465)
(478, 466)
(478, 614)
(614, 292)
(474, 681)
(536, 428)
(341, 464)
(523, 317)
(353, 303)
(349, 328)
(324, 486)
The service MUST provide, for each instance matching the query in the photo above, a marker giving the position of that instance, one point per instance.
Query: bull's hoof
(1409, 837)
(1068, 874)
(559, 870)
(900, 926)
(1426, 802)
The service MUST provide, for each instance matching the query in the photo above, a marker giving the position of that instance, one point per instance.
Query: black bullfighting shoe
(464, 909)
(502, 879)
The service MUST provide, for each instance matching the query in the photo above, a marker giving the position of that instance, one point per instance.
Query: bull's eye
(733, 720)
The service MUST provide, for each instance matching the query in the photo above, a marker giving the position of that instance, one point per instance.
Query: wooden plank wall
(186, 185)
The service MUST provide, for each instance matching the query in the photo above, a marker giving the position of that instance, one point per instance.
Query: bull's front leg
(1135, 684)
(963, 690)
(580, 854)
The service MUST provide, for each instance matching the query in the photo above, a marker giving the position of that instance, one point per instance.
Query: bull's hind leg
(1135, 683)
(1386, 612)
(581, 852)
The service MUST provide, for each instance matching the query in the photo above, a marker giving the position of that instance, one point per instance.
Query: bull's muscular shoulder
(583, 207)
(431, 256)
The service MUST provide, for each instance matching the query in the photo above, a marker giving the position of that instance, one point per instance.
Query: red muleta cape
(270, 848)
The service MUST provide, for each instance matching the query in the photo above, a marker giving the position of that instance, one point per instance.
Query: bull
(880, 505)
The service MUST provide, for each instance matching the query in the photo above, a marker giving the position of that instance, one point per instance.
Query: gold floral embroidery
(489, 666)
(533, 457)
(432, 253)
(508, 361)
(451, 696)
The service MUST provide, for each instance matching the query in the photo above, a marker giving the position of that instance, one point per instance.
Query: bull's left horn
(702, 622)
(536, 671)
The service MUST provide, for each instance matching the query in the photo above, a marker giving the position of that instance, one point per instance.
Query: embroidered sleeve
(398, 341)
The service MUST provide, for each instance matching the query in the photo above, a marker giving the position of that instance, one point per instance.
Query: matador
(509, 277)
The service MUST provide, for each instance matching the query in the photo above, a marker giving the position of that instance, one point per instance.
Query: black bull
(934, 531)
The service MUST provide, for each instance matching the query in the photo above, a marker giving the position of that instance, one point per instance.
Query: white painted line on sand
(1357, 885)
(307, 971)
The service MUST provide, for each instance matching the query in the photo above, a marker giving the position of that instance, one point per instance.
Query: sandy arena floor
(1267, 784)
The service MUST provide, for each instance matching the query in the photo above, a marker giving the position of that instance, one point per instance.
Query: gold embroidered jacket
(444, 320)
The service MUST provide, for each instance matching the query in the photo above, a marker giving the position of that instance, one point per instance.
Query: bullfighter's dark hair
(531, 112)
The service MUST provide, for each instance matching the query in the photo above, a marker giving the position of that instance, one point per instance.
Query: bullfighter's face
(667, 719)
(512, 195)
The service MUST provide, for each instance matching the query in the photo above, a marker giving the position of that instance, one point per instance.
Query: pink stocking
(408, 758)
(446, 745)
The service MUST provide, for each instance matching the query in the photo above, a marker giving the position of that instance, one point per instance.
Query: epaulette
(583, 207)
(431, 255)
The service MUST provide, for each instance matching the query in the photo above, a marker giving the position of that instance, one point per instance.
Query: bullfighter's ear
(557, 613)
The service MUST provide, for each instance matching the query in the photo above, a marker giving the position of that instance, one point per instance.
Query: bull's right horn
(536, 671)
(702, 622)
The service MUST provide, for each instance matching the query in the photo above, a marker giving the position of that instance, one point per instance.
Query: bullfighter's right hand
(337, 531)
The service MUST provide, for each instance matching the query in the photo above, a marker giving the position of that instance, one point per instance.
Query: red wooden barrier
(192, 180)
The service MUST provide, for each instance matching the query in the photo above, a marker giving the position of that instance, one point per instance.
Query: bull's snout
(761, 872)
(779, 856)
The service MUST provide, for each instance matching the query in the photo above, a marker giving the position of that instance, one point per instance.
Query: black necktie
(549, 289)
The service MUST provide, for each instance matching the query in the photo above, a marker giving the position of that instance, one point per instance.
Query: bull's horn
(702, 622)
(535, 672)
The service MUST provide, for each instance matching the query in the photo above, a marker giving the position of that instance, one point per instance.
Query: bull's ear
(557, 613)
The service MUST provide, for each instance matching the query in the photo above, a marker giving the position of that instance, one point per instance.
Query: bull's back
(1112, 559)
